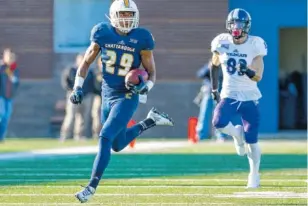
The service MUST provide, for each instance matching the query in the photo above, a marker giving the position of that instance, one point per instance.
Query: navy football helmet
(238, 23)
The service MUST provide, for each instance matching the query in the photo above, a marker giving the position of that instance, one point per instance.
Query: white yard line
(113, 194)
(148, 186)
(158, 180)
(140, 147)
(277, 195)
(265, 194)
(120, 204)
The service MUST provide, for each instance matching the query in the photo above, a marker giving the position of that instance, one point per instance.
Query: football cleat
(253, 181)
(85, 194)
(239, 141)
(160, 118)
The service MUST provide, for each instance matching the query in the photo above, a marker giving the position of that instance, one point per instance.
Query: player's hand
(141, 88)
(76, 96)
(104, 55)
(242, 66)
(216, 96)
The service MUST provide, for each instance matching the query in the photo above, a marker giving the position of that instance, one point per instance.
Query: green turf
(202, 174)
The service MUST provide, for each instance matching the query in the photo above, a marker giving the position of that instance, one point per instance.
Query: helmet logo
(126, 3)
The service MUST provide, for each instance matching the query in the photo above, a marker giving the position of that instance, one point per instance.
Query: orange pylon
(130, 124)
(192, 134)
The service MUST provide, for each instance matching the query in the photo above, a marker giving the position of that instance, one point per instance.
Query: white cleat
(160, 118)
(85, 194)
(253, 181)
(239, 141)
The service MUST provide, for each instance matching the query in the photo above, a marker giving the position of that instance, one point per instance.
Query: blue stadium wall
(268, 16)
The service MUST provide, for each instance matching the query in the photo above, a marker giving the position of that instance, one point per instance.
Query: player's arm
(255, 70)
(214, 70)
(148, 63)
(147, 59)
(90, 55)
(257, 66)
(214, 67)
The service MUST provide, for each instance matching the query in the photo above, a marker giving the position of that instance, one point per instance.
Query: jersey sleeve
(220, 43)
(214, 44)
(260, 47)
(97, 34)
(148, 40)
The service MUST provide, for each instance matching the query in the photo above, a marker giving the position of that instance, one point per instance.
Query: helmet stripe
(126, 3)
(236, 13)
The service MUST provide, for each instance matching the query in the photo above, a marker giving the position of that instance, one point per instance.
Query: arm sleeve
(149, 42)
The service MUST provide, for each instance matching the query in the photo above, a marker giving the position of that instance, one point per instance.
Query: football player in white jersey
(240, 56)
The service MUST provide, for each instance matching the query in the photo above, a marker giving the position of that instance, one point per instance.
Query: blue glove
(140, 88)
(215, 96)
(77, 96)
(243, 69)
(104, 55)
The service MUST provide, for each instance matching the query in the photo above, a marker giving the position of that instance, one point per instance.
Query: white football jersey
(237, 85)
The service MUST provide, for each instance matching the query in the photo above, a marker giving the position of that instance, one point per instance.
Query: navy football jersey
(124, 52)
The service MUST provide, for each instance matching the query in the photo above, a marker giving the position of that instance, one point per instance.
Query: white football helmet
(125, 25)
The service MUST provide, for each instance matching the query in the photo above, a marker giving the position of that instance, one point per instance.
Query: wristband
(78, 81)
(250, 73)
(150, 85)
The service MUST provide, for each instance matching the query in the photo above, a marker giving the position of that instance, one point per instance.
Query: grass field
(203, 174)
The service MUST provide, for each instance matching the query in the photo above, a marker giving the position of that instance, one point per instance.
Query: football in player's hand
(132, 76)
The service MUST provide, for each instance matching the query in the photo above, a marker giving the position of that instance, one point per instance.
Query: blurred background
(46, 37)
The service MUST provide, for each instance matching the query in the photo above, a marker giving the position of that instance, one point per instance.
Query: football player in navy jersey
(122, 46)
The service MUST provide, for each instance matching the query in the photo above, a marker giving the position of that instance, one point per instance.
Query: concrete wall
(26, 27)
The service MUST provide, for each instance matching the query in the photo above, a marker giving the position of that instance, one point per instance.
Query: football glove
(76, 96)
(242, 66)
(140, 88)
(216, 96)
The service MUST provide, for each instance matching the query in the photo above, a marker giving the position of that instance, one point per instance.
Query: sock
(146, 124)
(254, 157)
(229, 129)
(101, 161)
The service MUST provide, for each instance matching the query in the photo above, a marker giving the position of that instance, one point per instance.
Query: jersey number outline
(231, 66)
(126, 63)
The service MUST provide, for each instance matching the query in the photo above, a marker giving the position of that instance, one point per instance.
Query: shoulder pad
(148, 42)
(220, 42)
(259, 45)
(98, 32)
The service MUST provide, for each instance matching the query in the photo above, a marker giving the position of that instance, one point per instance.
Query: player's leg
(101, 160)
(223, 114)
(251, 117)
(154, 118)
